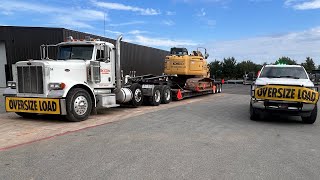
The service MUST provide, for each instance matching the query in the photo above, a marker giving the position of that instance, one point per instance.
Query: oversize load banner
(33, 105)
(287, 93)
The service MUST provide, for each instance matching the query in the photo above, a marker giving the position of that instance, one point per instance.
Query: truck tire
(155, 99)
(312, 118)
(254, 116)
(79, 105)
(137, 98)
(166, 95)
(26, 115)
(217, 88)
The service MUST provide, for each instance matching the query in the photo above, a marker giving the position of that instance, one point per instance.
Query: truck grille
(30, 79)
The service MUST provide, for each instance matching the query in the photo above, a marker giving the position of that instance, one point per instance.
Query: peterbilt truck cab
(284, 89)
(84, 76)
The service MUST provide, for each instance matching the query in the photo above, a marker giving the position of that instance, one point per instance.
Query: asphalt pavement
(2, 101)
(209, 139)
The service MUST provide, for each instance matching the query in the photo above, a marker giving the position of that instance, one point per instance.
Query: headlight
(56, 86)
(253, 88)
(12, 84)
(314, 88)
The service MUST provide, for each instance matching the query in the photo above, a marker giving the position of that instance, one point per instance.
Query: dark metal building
(22, 43)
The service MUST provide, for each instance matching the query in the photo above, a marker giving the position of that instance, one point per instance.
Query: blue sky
(257, 30)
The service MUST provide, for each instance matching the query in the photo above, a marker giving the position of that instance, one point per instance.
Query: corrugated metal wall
(23, 43)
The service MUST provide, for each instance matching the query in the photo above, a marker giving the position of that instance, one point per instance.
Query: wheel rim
(138, 95)
(157, 96)
(80, 105)
(167, 94)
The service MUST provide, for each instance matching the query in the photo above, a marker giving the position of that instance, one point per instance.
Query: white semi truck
(85, 76)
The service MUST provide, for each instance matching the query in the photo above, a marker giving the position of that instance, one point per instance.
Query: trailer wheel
(166, 97)
(217, 89)
(155, 99)
(220, 88)
(79, 105)
(26, 115)
(137, 99)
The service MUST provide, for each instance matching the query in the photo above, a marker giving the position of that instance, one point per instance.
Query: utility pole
(104, 24)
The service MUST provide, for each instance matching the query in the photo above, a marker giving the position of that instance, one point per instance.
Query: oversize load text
(32, 105)
(302, 94)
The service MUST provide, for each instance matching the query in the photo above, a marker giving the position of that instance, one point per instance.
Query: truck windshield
(284, 72)
(83, 52)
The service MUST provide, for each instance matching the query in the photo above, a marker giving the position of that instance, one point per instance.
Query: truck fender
(83, 86)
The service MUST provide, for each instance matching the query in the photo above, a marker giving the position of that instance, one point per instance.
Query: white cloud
(303, 4)
(135, 32)
(297, 45)
(160, 42)
(170, 13)
(114, 32)
(118, 6)
(58, 16)
(68, 22)
(201, 1)
(201, 13)
(13, 6)
(127, 23)
(211, 23)
(168, 22)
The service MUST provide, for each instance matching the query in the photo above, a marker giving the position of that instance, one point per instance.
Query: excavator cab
(179, 62)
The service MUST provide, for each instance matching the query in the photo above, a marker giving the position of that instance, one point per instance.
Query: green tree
(247, 66)
(286, 60)
(216, 69)
(229, 67)
(309, 65)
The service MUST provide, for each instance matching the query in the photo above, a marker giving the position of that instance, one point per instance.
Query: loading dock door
(3, 61)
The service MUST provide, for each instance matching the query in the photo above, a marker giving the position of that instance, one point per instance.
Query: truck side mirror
(206, 56)
(107, 54)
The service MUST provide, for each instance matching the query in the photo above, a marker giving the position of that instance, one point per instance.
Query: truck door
(103, 55)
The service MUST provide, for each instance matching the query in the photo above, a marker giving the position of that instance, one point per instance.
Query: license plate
(33, 105)
(283, 106)
(287, 93)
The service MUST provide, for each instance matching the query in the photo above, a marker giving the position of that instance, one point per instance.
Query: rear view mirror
(206, 56)
(107, 54)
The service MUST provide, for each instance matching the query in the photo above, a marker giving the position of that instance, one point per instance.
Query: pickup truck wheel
(137, 99)
(253, 114)
(166, 95)
(155, 99)
(79, 105)
(312, 118)
(26, 115)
